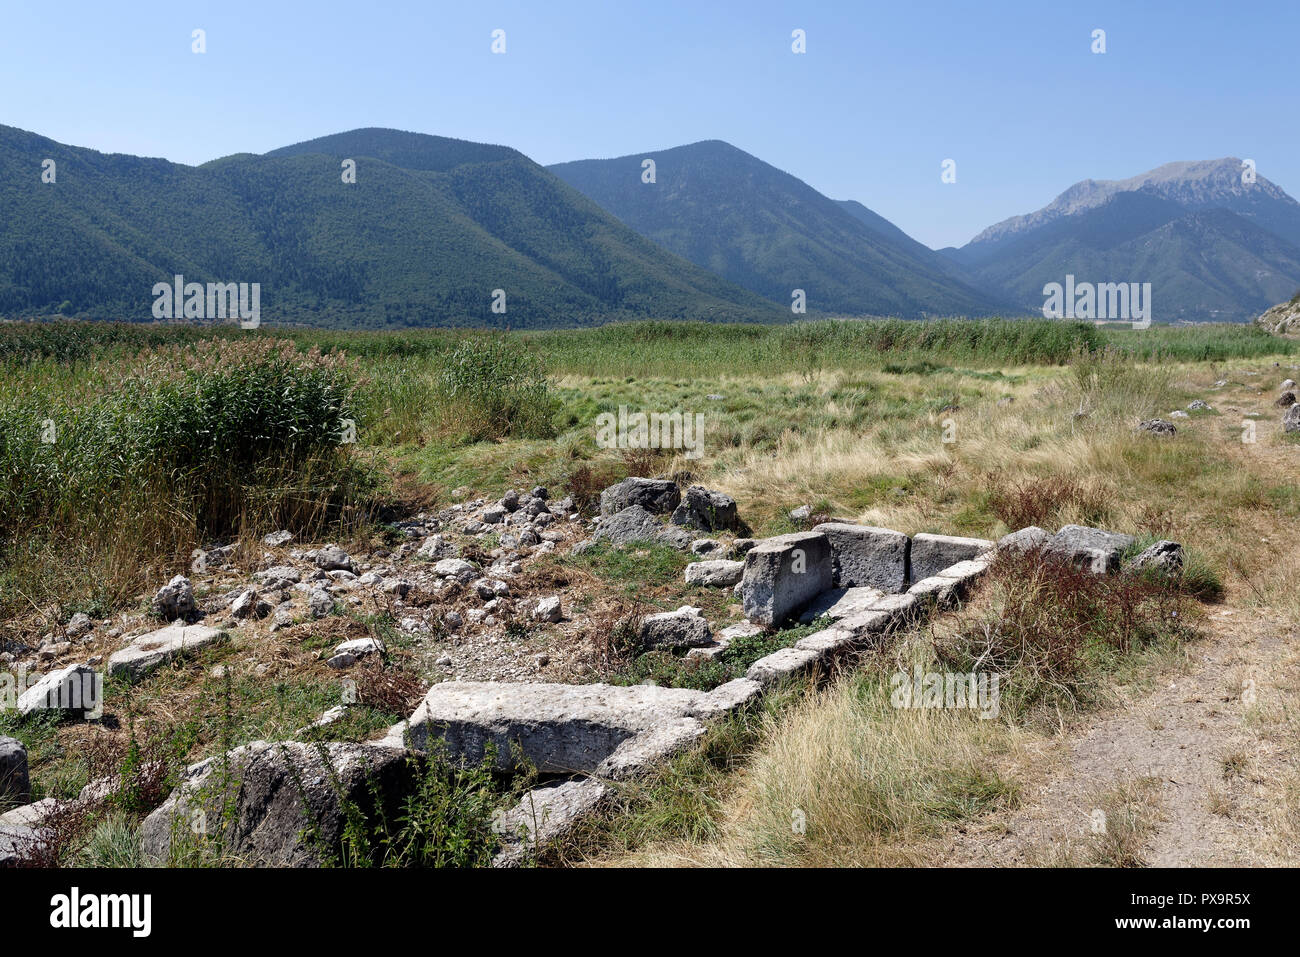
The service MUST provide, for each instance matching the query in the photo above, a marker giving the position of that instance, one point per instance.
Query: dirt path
(1199, 768)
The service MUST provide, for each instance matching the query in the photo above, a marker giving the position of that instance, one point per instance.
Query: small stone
(331, 558)
(683, 628)
(320, 603)
(1291, 420)
(456, 568)
(1157, 427)
(1164, 556)
(360, 647)
(548, 609)
(175, 600)
(248, 605)
(719, 573)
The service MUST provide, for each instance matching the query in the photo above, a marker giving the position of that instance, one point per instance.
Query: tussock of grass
(843, 778)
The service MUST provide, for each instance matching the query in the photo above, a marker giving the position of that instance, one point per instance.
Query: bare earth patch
(1208, 748)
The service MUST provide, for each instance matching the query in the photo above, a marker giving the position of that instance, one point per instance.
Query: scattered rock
(1291, 419)
(1028, 539)
(15, 785)
(360, 647)
(248, 605)
(548, 609)
(284, 805)
(1157, 427)
(278, 539)
(74, 691)
(435, 547)
(707, 510)
(719, 573)
(1097, 549)
(1164, 556)
(457, 568)
(632, 524)
(149, 652)
(683, 628)
(278, 576)
(320, 603)
(543, 815)
(801, 514)
(175, 600)
(331, 558)
(1199, 405)
(656, 496)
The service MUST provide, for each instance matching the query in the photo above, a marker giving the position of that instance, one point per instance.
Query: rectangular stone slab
(837, 603)
(784, 663)
(865, 555)
(151, 651)
(784, 573)
(558, 728)
(931, 554)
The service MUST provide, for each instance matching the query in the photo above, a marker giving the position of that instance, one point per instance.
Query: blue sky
(886, 91)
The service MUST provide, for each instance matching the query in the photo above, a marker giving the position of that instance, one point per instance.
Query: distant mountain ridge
(435, 231)
(431, 228)
(768, 231)
(1213, 246)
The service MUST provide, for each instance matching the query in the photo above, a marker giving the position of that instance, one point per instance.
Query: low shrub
(494, 388)
(1050, 629)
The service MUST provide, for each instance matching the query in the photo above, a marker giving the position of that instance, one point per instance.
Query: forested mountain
(431, 227)
(762, 228)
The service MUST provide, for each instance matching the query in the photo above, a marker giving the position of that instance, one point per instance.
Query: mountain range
(435, 231)
(1213, 245)
(429, 230)
(763, 229)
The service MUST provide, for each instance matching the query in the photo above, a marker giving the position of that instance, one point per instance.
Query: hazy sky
(884, 94)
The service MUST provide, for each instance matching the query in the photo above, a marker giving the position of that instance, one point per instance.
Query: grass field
(166, 439)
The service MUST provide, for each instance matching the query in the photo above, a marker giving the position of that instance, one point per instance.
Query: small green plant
(495, 388)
